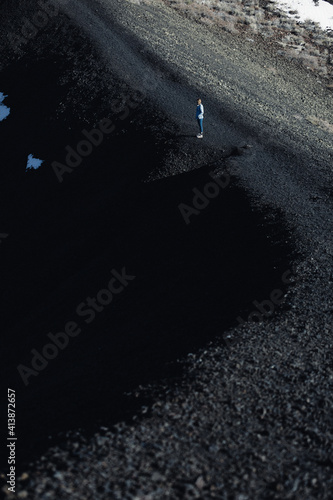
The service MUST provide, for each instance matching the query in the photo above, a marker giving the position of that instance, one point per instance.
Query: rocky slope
(304, 42)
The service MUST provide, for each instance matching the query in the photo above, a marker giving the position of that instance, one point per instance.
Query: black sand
(248, 420)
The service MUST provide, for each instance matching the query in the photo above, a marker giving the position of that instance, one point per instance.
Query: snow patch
(4, 110)
(33, 163)
(318, 11)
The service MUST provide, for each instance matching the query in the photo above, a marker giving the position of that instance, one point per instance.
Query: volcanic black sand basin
(191, 280)
(250, 420)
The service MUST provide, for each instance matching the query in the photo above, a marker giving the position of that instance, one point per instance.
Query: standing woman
(199, 117)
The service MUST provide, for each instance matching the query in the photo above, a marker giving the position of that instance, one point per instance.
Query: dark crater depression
(191, 281)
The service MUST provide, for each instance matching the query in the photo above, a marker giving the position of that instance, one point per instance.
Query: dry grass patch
(323, 124)
(305, 42)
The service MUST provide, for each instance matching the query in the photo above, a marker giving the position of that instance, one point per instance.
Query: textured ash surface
(253, 419)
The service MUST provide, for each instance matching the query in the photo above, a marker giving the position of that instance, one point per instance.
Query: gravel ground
(305, 42)
(252, 416)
